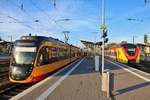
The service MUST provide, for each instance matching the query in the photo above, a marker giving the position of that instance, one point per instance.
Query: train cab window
(130, 49)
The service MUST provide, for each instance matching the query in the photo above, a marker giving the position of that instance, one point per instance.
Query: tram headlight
(14, 70)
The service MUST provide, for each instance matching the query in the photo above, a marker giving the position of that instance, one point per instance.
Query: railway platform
(79, 81)
(129, 83)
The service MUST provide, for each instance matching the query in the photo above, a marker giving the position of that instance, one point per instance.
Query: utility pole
(133, 39)
(103, 27)
(104, 33)
(68, 49)
(66, 34)
(145, 2)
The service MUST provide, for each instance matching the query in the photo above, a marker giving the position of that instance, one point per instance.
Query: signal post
(107, 79)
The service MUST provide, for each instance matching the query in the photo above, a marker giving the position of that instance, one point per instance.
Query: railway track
(12, 90)
(7, 89)
(142, 67)
(3, 73)
(4, 78)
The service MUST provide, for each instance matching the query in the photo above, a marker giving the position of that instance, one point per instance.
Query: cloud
(11, 21)
(72, 9)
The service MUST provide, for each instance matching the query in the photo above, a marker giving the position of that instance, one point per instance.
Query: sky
(41, 17)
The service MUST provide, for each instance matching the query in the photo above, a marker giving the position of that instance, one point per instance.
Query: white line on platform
(134, 69)
(142, 77)
(57, 83)
(40, 83)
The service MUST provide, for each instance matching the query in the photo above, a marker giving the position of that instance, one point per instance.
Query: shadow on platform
(131, 88)
(88, 67)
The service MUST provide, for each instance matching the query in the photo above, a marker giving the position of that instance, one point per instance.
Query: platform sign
(103, 26)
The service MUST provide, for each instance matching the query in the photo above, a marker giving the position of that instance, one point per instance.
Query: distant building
(5, 47)
(91, 47)
(144, 51)
(144, 48)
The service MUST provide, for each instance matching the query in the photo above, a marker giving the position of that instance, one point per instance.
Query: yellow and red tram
(34, 57)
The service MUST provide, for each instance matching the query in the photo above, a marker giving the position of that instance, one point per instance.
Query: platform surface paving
(83, 83)
(129, 84)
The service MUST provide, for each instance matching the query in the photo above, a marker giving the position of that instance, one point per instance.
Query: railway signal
(104, 35)
(106, 40)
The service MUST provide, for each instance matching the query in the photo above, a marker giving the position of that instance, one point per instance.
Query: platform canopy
(90, 44)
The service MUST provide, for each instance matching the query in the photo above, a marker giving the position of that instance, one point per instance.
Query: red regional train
(125, 53)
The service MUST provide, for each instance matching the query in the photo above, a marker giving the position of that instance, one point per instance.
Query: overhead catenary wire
(54, 3)
(145, 2)
(13, 18)
(22, 8)
(42, 10)
(19, 21)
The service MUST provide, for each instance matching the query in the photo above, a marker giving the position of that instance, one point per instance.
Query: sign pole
(103, 27)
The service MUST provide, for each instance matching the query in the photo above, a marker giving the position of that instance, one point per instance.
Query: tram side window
(61, 54)
(44, 57)
(73, 53)
(54, 54)
(80, 53)
(68, 53)
(65, 54)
